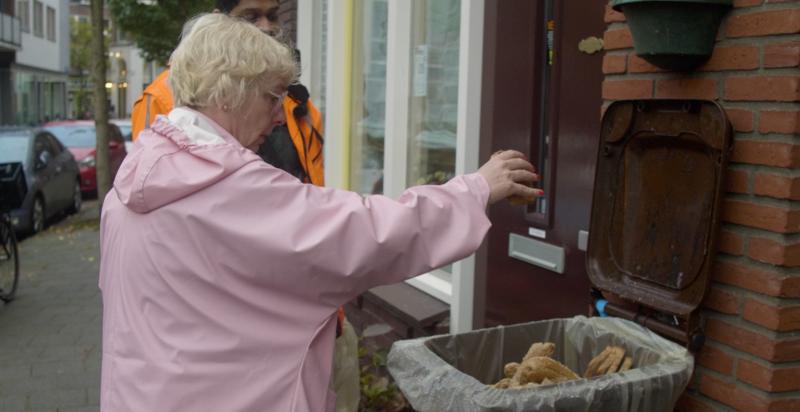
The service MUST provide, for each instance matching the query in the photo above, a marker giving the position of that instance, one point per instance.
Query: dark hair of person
(226, 6)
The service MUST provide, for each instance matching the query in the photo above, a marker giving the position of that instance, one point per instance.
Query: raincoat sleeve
(333, 244)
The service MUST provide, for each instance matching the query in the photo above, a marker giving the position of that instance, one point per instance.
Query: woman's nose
(279, 117)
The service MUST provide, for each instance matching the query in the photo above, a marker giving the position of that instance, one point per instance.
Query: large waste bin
(455, 372)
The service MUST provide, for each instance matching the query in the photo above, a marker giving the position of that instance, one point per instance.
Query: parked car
(125, 128)
(51, 174)
(80, 137)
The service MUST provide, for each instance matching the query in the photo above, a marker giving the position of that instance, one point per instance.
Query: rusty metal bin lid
(657, 194)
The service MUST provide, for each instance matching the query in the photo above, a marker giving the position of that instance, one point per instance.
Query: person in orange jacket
(295, 147)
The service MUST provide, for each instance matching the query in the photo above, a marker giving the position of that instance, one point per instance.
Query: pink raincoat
(221, 274)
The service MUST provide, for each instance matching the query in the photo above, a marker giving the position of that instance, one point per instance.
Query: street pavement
(50, 334)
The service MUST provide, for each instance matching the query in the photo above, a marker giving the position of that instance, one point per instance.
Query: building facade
(417, 91)
(33, 77)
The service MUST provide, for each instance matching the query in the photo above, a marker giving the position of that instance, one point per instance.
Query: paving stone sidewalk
(50, 335)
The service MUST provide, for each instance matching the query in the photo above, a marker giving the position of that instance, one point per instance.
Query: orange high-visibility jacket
(157, 99)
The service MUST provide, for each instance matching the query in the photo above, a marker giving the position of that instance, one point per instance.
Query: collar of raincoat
(182, 153)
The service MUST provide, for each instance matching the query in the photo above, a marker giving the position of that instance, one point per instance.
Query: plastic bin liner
(453, 372)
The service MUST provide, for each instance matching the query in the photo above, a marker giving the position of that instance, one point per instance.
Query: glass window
(51, 24)
(13, 148)
(74, 136)
(433, 98)
(369, 97)
(24, 14)
(25, 112)
(541, 138)
(323, 58)
(53, 144)
(38, 16)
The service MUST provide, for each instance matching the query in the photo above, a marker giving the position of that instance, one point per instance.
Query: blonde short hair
(223, 61)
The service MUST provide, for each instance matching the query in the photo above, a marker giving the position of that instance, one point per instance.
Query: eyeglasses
(279, 97)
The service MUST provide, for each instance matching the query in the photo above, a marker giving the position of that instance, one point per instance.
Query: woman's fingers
(524, 176)
(518, 163)
(508, 154)
(509, 174)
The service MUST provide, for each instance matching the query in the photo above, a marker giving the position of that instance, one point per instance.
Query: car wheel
(77, 199)
(37, 215)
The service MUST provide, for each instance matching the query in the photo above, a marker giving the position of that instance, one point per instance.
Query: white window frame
(459, 292)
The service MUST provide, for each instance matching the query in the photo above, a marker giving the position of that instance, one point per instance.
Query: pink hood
(221, 274)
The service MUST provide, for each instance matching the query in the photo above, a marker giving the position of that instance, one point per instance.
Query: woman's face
(257, 117)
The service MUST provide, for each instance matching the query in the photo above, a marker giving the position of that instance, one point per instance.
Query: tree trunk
(100, 100)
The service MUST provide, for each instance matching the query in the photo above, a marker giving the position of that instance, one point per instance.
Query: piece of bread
(547, 349)
(539, 368)
(510, 369)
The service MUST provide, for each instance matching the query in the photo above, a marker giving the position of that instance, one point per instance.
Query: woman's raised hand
(510, 175)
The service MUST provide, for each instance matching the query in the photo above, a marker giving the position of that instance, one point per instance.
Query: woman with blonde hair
(221, 274)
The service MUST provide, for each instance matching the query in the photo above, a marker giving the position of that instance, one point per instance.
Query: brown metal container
(655, 211)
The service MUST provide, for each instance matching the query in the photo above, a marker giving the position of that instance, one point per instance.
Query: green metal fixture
(673, 34)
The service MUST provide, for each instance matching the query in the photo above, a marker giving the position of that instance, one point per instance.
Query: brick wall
(751, 360)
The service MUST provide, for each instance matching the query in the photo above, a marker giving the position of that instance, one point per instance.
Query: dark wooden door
(542, 96)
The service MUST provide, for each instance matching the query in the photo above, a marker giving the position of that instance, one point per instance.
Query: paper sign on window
(421, 70)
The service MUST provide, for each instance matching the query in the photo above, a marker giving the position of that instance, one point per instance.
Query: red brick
(746, 3)
(687, 88)
(779, 122)
(778, 318)
(737, 181)
(617, 39)
(732, 395)
(637, 64)
(777, 186)
(774, 252)
(770, 379)
(691, 403)
(722, 301)
(732, 58)
(715, 359)
(613, 16)
(763, 88)
(627, 89)
(731, 243)
(741, 119)
(768, 153)
(614, 63)
(772, 218)
(768, 282)
(784, 404)
(764, 23)
(754, 343)
(782, 55)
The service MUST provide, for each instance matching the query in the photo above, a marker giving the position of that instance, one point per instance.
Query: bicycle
(9, 260)
(12, 190)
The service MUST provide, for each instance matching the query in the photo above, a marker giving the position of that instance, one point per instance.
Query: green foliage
(80, 52)
(80, 60)
(378, 392)
(156, 25)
